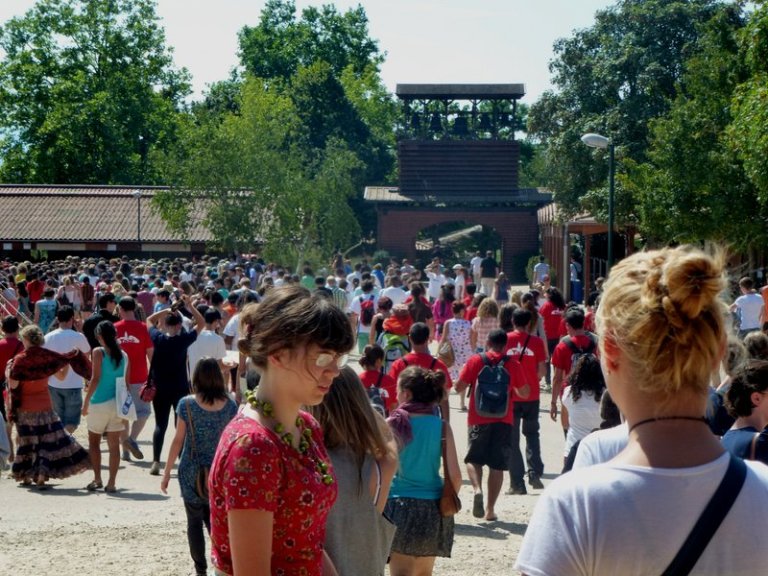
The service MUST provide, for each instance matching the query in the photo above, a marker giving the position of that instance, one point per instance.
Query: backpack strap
(753, 445)
(432, 364)
(381, 377)
(713, 515)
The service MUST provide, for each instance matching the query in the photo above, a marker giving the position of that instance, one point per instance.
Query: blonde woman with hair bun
(663, 328)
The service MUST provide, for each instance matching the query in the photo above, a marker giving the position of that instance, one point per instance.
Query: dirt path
(66, 531)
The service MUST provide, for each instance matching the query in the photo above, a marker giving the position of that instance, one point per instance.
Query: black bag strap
(525, 347)
(710, 519)
(378, 382)
(192, 432)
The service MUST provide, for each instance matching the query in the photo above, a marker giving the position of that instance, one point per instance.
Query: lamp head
(596, 140)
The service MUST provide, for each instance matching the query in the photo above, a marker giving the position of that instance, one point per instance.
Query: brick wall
(518, 228)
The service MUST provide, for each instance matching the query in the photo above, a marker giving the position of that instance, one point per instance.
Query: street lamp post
(598, 141)
(137, 195)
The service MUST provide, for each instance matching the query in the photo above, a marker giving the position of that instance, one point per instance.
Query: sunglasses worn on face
(325, 359)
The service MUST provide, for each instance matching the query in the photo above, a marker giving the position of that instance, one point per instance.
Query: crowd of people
(295, 463)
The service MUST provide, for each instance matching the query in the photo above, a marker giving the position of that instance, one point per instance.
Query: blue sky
(425, 40)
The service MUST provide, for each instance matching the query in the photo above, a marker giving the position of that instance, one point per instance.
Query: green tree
(693, 187)
(247, 178)
(613, 78)
(748, 135)
(87, 92)
(281, 43)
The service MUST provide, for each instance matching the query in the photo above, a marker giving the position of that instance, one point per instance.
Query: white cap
(457, 267)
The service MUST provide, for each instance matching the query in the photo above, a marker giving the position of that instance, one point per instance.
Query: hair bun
(694, 281)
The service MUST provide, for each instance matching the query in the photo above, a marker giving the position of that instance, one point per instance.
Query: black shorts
(490, 445)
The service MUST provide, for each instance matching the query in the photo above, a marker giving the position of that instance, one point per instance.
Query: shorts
(490, 445)
(421, 529)
(68, 404)
(143, 409)
(102, 417)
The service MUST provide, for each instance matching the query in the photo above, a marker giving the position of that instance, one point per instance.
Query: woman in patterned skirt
(44, 449)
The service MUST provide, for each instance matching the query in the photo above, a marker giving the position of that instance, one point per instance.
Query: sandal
(110, 489)
(478, 510)
(93, 486)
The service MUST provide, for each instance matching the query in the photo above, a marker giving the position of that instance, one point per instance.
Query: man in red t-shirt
(135, 341)
(420, 356)
(490, 439)
(530, 351)
(35, 288)
(577, 338)
(10, 345)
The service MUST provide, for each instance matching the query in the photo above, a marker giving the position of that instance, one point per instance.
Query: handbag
(126, 409)
(446, 354)
(450, 504)
(148, 390)
(201, 477)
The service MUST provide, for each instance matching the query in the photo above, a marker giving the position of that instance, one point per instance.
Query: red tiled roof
(84, 214)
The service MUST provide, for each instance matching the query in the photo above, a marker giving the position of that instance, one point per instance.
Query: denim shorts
(68, 404)
(143, 409)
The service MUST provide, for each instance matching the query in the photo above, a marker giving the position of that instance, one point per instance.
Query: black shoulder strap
(432, 364)
(710, 520)
(571, 344)
(381, 377)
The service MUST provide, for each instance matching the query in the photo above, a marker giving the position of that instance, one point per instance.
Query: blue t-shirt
(418, 475)
(106, 391)
(739, 443)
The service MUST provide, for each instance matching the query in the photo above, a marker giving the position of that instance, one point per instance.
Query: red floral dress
(255, 470)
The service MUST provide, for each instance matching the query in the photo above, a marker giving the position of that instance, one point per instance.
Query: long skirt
(44, 449)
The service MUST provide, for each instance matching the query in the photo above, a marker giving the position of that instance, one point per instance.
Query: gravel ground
(67, 531)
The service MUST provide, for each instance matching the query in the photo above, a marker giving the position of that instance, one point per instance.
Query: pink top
(483, 327)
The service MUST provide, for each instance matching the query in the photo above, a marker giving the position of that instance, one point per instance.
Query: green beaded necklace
(267, 410)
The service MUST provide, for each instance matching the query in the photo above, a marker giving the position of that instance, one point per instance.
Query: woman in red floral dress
(271, 483)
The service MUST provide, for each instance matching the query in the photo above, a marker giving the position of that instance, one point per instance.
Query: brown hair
(426, 386)
(662, 309)
(290, 317)
(348, 419)
(488, 309)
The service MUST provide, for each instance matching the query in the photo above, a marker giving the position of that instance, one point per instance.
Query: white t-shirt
(601, 446)
(583, 417)
(394, 293)
(460, 281)
(475, 264)
(208, 344)
(355, 306)
(63, 341)
(436, 282)
(233, 329)
(539, 271)
(632, 520)
(749, 306)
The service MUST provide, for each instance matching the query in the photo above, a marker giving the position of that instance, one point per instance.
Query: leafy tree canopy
(87, 91)
(613, 78)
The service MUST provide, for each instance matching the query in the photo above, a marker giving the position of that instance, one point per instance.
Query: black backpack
(491, 392)
(576, 352)
(377, 398)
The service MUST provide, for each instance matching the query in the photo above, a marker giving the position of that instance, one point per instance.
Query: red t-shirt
(35, 291)
(469, 375)
(552, 317)
(425, 361)
(255, 470)
(535, 353)
(371, 377)
(470, 314)
(9, 347)
(561, 357)
(589, 321)
(133, 336)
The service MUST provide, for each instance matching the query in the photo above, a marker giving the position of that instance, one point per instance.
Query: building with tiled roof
(79, 220)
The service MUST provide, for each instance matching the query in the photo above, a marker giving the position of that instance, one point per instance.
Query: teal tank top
(105, 391)
(418, 475)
